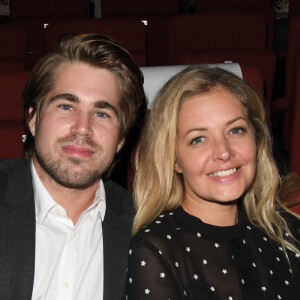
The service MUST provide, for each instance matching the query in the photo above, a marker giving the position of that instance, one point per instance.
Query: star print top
(179, 257)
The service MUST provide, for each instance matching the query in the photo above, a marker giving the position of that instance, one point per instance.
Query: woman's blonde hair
(158, 187)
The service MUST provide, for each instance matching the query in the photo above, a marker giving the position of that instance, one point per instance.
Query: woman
(208, 224)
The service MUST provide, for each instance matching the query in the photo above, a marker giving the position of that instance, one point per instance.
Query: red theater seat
(129, 32)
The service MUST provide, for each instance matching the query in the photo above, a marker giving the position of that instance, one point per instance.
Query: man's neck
(74, 201)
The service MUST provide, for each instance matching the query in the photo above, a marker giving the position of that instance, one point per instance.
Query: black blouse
(179, 257)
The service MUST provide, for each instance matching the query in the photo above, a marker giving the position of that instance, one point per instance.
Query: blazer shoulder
(9, 164)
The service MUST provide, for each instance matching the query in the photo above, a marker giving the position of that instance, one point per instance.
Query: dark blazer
(17, 233)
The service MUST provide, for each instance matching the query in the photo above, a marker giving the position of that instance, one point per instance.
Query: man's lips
(78, 151)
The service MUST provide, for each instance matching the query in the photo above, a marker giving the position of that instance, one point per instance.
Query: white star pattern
(266, 255)
(287, 235)
(170, 214)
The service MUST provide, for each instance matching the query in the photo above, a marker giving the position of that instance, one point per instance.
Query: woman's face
(216, 148)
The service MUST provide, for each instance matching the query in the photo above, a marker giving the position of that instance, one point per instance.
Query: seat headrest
(156, 77)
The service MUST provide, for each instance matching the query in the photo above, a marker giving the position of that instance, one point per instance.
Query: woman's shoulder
(162, 232)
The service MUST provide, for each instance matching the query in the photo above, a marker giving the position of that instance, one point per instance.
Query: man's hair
(98, 51)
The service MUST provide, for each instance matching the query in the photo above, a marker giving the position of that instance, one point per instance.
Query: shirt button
(57, 211)
(66, 285)
(74, 234)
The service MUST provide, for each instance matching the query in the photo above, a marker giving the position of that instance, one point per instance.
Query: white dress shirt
(68, 258)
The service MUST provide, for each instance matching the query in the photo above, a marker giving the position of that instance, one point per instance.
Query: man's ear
(120, 145)
(32, 122)
(178, 168)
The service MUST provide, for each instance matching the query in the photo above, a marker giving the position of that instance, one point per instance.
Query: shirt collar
(44, 201)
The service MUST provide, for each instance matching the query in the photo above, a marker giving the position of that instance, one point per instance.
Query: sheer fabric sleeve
(150, 275)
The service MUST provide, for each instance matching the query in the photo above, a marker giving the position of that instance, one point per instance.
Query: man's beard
(57, 167)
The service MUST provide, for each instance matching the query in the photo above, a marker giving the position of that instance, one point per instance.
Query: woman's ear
(178, 169)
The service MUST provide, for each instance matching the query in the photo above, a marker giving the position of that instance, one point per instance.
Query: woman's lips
(225, 175)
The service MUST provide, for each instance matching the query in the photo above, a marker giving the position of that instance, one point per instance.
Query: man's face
(77, 135)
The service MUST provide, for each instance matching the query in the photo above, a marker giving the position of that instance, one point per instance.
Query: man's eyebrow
(107, 105)
(69, 97)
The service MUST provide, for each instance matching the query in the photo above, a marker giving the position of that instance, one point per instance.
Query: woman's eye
(198, 140)
(238, 130)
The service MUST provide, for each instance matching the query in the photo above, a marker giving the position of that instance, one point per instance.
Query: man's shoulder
(10, 164)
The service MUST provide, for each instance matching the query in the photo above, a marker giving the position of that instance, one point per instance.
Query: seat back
(138, 8)
(295, 128)
(204, 4)
(48, 8)
(12, 133)
(11, 86)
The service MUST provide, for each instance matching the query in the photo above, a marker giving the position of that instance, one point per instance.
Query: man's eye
(101, 114)
(198, 140)
(66, 107)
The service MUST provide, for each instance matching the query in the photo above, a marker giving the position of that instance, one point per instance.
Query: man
(64, 231)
